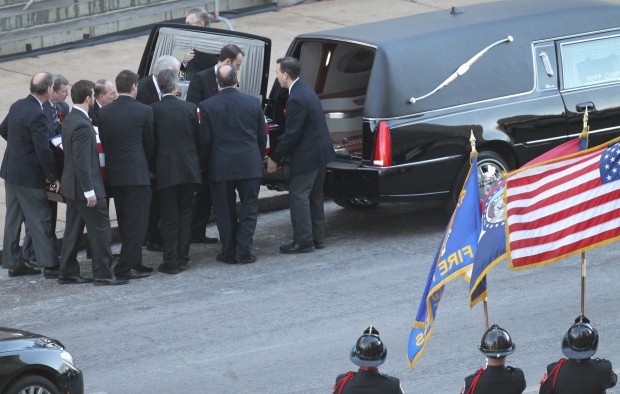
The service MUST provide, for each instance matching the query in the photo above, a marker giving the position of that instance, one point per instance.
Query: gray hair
(166, 62)
(59, 80)
(167, 81)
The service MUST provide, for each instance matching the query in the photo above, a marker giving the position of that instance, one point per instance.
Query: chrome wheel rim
(34, 390)
(489, 175)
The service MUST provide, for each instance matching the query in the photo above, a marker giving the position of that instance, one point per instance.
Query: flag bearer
(369, 352)
(496, 378)
(580, 373)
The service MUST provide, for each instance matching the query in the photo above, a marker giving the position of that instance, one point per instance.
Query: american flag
(564, 206)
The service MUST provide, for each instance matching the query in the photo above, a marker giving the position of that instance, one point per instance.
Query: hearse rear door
(590, 78)
(177, 40)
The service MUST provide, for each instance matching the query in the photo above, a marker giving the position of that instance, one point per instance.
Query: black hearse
(401, 96)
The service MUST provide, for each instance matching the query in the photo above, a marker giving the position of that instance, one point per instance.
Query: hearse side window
(591, 62)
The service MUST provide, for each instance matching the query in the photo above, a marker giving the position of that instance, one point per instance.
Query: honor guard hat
(581, 340)
(496, 343)
(369, 350)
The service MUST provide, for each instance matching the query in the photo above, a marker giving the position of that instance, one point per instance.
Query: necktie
(56, 127)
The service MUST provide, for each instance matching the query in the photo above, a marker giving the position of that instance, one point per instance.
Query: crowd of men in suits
(165, 161)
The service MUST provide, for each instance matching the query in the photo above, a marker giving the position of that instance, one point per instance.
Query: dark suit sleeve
(81, 141)
(613, 378)
(40, 140)
(295, 117)
(149, 139)
(4, 128)
(194, 90)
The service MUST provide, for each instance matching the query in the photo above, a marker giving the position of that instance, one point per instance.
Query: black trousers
(27, 248)
(176, 205)
(132, 212)
(236, 233)
(306, 204)
(153, 232)
(201, 211)
(97, 223)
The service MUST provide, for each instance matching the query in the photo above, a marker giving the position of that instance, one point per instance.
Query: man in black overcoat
(307, 147)
(126, 132)
(233, 126)
(177, 170)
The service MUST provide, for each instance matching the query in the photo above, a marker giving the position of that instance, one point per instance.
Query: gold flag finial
(472, 141)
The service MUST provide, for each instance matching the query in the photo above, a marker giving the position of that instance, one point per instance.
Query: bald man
(27, 167)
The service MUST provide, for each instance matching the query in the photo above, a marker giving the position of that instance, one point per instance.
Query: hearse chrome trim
(462, 69)
(575, 135)
(415, 164)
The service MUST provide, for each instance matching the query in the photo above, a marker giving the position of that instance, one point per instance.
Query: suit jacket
(147, 91)
(81, 168)
(202, 86)
(368, 381)
(233, 127)
(200, 62)
(93, 113)
(305, 141)
(27, 159)
(176, 142)
(126, 133)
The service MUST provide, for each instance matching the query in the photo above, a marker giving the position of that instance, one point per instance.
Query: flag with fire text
(455, 257)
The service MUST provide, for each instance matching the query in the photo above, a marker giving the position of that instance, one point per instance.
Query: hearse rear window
(591, 62)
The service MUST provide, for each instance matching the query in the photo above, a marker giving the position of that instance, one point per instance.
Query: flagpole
(583, 283)
(472, 141)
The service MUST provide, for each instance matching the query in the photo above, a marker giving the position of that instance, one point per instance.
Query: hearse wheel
(351, 203)
(490, 168)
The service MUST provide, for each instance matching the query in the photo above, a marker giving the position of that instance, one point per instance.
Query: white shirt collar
(80, 109)
(291, 87)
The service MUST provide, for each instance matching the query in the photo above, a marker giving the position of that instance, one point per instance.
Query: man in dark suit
(105, 93)
(27, 166)
(82, 186)
(177, 170)
(126, 132)
(233, 126)
(203, 86)
(55, 109)
(308, 147)
(195, 61)
(149, 93)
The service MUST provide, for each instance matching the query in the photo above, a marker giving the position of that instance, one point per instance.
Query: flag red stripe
(550, 172)
(550, 255)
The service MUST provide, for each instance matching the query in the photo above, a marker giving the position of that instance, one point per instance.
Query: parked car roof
(416, 53)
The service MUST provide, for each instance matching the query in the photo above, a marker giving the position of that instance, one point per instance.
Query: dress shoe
(183, 267)
(318, 244)
(294, 247)
(153, 246)
(203, 240)
(143, 268)
(110, 282)
(132, 274)
(50, 273)
(249, 259)
(166, 269)
(14, 272)
(225, 259)
(74, 280)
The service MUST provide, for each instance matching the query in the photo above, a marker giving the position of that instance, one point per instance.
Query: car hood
(12, 339)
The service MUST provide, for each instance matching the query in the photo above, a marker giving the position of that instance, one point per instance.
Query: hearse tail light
(383, 147)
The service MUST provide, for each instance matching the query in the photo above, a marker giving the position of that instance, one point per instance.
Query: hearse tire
(351, 204)
(489, 163)
(32, 383)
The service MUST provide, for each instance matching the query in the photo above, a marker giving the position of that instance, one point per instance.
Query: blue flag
(492, 240)
(454, 257)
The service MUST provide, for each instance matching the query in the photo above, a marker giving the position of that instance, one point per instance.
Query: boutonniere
(61, 116)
